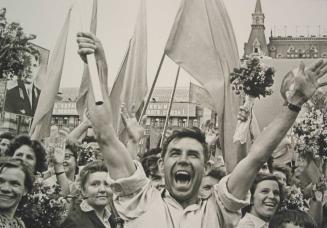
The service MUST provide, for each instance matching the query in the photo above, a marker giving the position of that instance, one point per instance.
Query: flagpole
(152, 88)
(169, 109)
(91, 62)
(188, 105)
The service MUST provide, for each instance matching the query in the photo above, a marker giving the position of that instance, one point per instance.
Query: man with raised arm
(183, 160)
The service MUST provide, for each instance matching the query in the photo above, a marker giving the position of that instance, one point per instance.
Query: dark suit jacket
(79, 219)
(17, 100)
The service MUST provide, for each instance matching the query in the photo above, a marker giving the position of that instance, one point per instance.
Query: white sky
(116, 19)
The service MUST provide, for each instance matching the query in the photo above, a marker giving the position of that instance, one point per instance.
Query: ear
(161, 165)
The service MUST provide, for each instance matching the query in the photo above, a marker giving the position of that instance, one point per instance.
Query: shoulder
(12, 84)
(75, 219)
(246, 222)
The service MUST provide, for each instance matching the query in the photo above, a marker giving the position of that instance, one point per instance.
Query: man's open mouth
(182, 177)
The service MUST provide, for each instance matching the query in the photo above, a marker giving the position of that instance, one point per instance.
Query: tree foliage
(16, 50)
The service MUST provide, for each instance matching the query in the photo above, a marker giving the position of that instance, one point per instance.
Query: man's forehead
(185, 143)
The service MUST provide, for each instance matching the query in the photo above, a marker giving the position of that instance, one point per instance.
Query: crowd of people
(182, 184)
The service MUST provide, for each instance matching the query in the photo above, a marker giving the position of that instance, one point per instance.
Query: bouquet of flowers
(88, 153)
(44, 207)
(252, 80)
(310, 130)
(294, 199)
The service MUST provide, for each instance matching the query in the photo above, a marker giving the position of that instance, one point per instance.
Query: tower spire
(258, 8)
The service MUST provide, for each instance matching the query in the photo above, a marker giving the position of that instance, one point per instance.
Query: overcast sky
(116, 19)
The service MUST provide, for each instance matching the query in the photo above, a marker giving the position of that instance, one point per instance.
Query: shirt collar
(259, 223)
(172, 201)
(85, 207)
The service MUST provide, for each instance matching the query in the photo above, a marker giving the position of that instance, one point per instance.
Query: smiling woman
(15, 181)
(266, 197)
(93, 211)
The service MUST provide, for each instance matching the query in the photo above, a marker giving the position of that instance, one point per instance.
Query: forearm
(62, 178)
(245, 172)
(76, 134)
(117, 157)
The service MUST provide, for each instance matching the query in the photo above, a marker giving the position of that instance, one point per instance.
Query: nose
(101, 188)
(4, 187)
(271, 195)
(183, 159)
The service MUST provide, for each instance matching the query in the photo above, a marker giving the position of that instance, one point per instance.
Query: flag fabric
(202, 41)
(41, 124)
(130, 86)
(201, 96)
(85, 87)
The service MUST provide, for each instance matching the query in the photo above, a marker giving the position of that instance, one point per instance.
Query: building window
(256, 50)
(279, 56)
(324, 55)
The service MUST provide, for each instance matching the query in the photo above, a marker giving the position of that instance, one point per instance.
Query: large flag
(85, 87)
(41, 124)
(130, 86)
(201, 96)
(202, 41)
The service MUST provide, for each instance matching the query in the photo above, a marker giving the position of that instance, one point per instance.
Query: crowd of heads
(166, 167)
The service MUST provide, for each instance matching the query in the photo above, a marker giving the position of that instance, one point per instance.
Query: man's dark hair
(92, 167)
(295, 217)
(194, 133)
(6, 135)
(149, 161)
(18, 164)
(37, 147)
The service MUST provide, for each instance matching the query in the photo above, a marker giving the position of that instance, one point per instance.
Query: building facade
(282, 47)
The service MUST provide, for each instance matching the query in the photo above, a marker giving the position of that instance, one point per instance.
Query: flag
(199, 95)
(85, 87)
(202, 42)
(130, 86)
(41, 124)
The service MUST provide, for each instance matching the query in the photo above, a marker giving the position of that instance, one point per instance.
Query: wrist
(58, 167)
(293, 107)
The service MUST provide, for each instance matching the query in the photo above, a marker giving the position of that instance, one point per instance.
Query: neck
(99, 211)
(8, 213)
(266, 219)
(71, 176)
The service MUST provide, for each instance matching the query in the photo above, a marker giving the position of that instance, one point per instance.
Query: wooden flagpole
(169, 109)
(91, 62)
(152, 88)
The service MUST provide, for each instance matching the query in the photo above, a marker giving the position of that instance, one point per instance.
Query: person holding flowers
(183, 162)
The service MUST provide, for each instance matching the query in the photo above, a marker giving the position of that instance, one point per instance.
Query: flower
(294, 199)
(44, 207)
(310, 130)
(253, 78)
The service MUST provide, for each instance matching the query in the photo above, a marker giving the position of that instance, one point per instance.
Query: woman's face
(26, 154)
(69, 162)
(97, 190)
(266, 199)
(281, 177)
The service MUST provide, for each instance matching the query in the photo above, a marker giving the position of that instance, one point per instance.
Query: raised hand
(134, 129)
(58, 156)
(88, 44)
(301, 87)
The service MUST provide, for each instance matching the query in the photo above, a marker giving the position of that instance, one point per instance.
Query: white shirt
(251, 221)
(143, 206)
